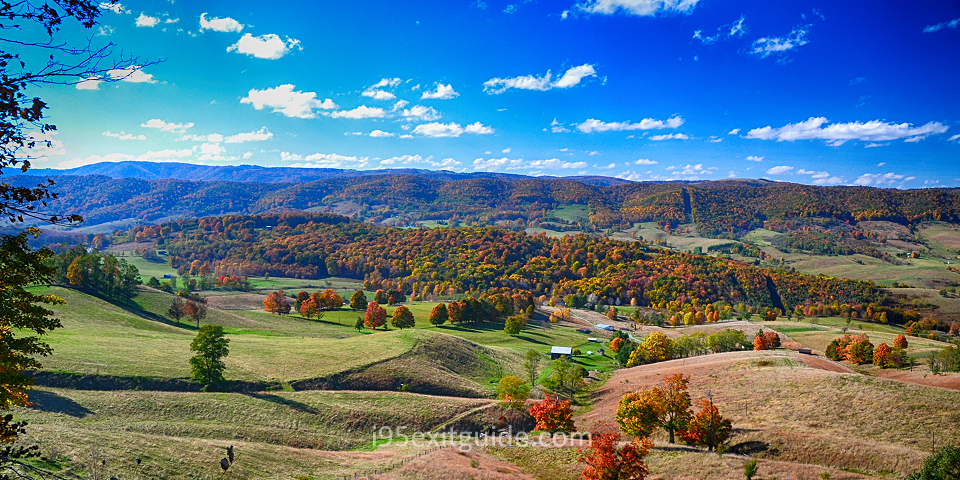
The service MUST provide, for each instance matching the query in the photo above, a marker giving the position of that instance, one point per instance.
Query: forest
(472, 260)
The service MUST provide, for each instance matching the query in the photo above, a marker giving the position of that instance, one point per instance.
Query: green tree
(358, 301)
(359, 324)
(380, 296)
(513, 392)
(944, 464)
(211, 346)
(403, 318)
(21, 315)
(301, 297)
(514, 324)
(566, 379)
(531, 366)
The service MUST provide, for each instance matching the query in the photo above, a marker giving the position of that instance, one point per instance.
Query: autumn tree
(309, 308)
(276, 302)
(881, 356)
(513, 392)
(900, 341)
(211, 346)
(403, 318)
(615, 344)
(376, 316)
(707, 427)
(438, 315)
(455, 312)
(301, 297)
(196, 309)
(612, 313)
(643, 412)
(531, 366)
(380, 296)
(177, 306)
(760, 341)
(553, 415)
(358, 301)
(329, 300)
(772, 339)
(606, 461)
(657, 347)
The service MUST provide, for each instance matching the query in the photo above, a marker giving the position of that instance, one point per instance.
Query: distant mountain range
(257, 174)
(112, 196)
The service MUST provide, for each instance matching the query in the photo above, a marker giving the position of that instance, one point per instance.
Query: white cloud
(362, 111)
(211, 149)
(875, 145)
(779, 170)
(225, 24)
(734, 131)
(955, 137)
(132, 74)
(573, 76)
(446, 163)
(105, 31)
(400, 104)
(555, 163)
(327, 160)
(212, 138)
(731, 30)
(269, 46)
(838, 133)
(754, 158)
(645, 161)
(764, 47)
(381, 134)
(878, 179)
(605, 167)
(289, 157)
(407, 135)
(115, 7)
(167, 127)
(496, 164)
(165, 155)
(352, 133)
(420, 113)
(594, 125)
(436, 129)
(478, 128)
(89, 83)
(939, 26)
(670, 136)
(145, 20)
(373, 92)
(443, 92)
(557, 127)
(247, 155)
(45, 146)
(404, 160)
(506, 150)
(285, 100)
(257, 136)
(821, 178)
(124, 136)
(646, 8)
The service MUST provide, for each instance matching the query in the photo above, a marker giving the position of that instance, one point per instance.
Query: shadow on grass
(45, 401)
(134, 309)
(295, 405)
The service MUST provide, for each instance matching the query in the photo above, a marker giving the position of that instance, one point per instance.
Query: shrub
(944, 464)
(513, 392)
(576, 352)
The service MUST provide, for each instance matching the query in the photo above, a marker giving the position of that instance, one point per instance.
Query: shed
(805, 351)
(604, 326)
(591, 339)
(557, 352)
(583, 330)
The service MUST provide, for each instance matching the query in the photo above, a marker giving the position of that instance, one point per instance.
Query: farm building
(557, 352)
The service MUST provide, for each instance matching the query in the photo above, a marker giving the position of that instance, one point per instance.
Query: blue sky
(832, 93)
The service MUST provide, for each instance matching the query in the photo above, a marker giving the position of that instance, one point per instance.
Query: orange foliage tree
(376, 316)
(605, 461)
(760, 341)
(553, 415)
(308, 308)
(438, 316)
(707, 427)
(616, 344)
(642, 412)
(276, 302)
(900, 341)
(881, 356)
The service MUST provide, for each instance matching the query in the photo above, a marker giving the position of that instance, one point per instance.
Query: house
(583, 330)
(600, 352)
(604, 326)
(557, 352)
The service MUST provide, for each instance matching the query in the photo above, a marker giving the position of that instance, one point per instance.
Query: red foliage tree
(760, 341)
(553, 415)
(309, 308)
(376, 316)
(772, 339)
(438, 316)
(607, 462)
(900, 341)
(881, 356)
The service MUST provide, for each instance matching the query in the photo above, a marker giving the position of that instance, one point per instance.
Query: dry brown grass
(797, 414)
